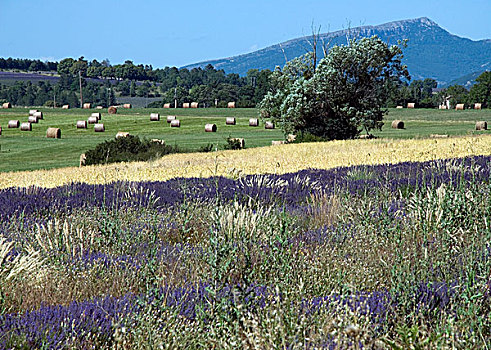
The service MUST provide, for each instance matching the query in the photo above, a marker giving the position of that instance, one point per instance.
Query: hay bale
(175, 123)
(32, 119)
(112, 110)
(93, 120)
(82, 159)
(26, 127)
(97, 115)
(241, 142)
(253, 122)
(65, 107)
(291, 138)
(38, 115)
(230, 121)
(154, 117)
(170, 118)
(231, 105)
(442, 107)
(13, 124)
(185, 105)
(87, 106)
(194, 104)
(459, 107)
(399, 107)
(277, 143)
(53, 133)
(268, 125)
(411, 105)
(122, 134)
(99, 107)
(481, 125)
(210, 128)
(438, 136)
(32, 111)
(99, 128)
(477, 105)
(81, 124)
(397, 124)
(166, 105)
(127, 105)
(7, 105)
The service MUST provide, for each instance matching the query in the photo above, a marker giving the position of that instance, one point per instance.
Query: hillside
(432, 52)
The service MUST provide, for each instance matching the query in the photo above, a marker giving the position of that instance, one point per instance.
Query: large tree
(345, 94)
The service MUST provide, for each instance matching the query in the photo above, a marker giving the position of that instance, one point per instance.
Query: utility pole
(80, 83)
(54, 98)
(175, 97)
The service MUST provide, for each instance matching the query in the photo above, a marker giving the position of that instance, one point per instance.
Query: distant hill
(467, 80)
(432, 52)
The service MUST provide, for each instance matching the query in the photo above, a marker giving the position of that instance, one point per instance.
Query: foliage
(481, 91)
(343, 95)
(125, 149)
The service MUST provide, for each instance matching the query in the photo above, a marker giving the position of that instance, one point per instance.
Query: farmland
(31, 150)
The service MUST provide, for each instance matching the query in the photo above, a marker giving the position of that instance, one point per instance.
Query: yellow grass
(274, 159)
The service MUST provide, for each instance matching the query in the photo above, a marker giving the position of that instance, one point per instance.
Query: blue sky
(175, 33)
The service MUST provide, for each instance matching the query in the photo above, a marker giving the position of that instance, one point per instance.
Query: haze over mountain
(431, 52)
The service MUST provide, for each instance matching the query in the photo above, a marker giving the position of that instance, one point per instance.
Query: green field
(21, 150)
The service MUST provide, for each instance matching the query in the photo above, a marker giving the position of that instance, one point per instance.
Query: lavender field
(374, 257)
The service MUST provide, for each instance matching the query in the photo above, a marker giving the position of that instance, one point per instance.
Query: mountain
(467, 80)
(432, 52)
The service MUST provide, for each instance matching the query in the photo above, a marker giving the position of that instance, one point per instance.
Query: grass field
(32, 150)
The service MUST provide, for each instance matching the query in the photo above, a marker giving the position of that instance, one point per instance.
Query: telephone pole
(80, 83)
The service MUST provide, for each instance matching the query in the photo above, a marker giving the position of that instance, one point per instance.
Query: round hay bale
(231, 105)
(268, 125)
(166, 105)
(26, 127)
(53, 133)
(65, 107)
(481, 125)
(112, 110)
(194, 104)
(39, 115)
(277, 143)
(87, 106)
(99, 128)
(399, 107)
(477, 105)
(32, 111)
(253, 122)
(185, 105)
(170, 118)
(397, 124)
(82, 159)
(241, 142)
(81, 124)
(154, 117)
(32, 119)
(7, 105)
(230, 121)
(93, 120)
(127, 105)
(459, 107)
(411, 105)
(99, 107)
(210, 128)
(97, 115)
(13, 124)
(175, 123)
(122, 134)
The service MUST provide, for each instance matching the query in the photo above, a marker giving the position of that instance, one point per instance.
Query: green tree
(458, 94)
(345, 94)
(481, 91)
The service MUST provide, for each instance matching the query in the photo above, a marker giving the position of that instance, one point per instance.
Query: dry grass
(274, 160)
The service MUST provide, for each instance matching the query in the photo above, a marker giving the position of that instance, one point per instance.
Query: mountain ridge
(432, 51)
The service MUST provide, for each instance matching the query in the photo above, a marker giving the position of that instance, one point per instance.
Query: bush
(232, 143)
(129, 148)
